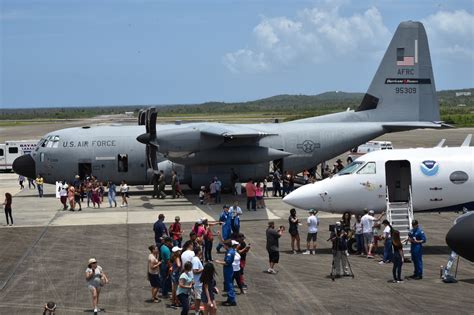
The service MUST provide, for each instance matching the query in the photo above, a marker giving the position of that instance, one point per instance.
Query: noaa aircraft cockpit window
(368, 168)
(351, 168)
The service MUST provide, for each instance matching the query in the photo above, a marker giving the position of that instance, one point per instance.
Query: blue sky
(119, 52)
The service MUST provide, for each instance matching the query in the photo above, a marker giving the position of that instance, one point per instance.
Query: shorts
(259, 198)
(368, 238)
(294, 232)
(312, 237)
(175, 277)
(154, 280)
(273, 256)
(197, 292)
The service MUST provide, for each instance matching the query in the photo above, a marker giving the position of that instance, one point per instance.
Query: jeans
(207, 250)
(360, 243)
(253, 201)
(387, 250)
(8, 213)
(184, 301)
(397, 266)
(165, 279)
(40, 190)
(111, 197)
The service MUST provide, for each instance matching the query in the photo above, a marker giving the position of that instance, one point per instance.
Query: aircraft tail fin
(403, 88)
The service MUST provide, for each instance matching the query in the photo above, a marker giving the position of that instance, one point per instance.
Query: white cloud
(314, 36)
(451, 33)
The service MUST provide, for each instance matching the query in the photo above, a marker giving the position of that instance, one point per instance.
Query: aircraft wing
(408, 125)
(234, 131)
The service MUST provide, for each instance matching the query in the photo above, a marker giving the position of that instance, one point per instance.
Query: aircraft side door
(398, 180)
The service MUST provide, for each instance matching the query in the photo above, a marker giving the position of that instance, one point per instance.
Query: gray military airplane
(402, 96)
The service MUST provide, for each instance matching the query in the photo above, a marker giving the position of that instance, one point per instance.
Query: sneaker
(156, 300)
(417, 278)
(294, 252)
(382, 262)
(274, 271)
(370, 256)
(269, 270)
(307, 252)
(394, 281)
(400, 281)
(228, 303)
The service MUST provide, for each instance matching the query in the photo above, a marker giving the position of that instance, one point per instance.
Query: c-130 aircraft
(402, 96)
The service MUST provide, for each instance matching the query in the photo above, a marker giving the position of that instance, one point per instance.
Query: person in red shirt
(176, 232)
(251, 190)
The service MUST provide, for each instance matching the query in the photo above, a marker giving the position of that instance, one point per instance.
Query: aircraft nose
(304, 197)
(460, 237)
(25, 165)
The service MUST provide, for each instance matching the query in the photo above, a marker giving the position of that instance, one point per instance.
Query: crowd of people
(187, 273)
(366, 233)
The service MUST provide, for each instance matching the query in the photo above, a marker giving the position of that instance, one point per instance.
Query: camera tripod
(342, 256)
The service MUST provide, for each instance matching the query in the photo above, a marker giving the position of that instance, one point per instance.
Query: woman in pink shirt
(251, 190)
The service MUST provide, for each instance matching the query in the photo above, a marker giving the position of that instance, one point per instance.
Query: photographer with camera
(339, 246)
(272, 245)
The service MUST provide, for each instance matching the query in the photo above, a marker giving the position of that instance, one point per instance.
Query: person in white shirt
(63, 187)
(235, 211)
(197, 270)
(387, 249)
(313, 223)
(368, 231)
(236, 267)
(188, 253)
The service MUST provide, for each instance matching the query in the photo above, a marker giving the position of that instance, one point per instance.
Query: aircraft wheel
(352, 246)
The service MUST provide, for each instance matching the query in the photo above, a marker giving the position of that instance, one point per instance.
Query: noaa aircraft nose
(302, 198)
(25, 165)
(460, 238)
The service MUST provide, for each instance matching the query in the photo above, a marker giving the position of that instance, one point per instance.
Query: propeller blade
(152, 122)
(141, 117)
(153, 160)
(147, 119)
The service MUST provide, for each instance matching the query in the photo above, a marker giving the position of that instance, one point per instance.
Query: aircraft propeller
(148, 118)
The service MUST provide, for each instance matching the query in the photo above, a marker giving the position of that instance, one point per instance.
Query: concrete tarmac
(44, 257)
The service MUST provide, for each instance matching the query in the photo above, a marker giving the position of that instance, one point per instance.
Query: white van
(10, 150)
(369, 147)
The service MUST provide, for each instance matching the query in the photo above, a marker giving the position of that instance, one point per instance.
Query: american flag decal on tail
(403, 60)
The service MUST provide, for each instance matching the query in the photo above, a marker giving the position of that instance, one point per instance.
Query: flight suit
(228, 275)
(417, 250)
(226, 220)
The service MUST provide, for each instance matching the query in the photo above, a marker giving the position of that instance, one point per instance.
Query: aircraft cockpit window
(55, 141)
(50, 142)
(351, 168)
(368, 168)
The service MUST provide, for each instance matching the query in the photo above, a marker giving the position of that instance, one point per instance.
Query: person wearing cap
(208, 238)
(165, 254)
(417, 237)
(226, 220)
(154, 272)
(229, 272)
(272, 245)
(368, 231)
(242, 249)
(176, 232)
(96, 278)
(176, 268)
(312, 236)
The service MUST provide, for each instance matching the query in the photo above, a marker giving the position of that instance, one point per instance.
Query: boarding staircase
(400, 216)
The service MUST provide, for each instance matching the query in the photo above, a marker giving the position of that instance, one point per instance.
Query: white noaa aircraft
(428, 179)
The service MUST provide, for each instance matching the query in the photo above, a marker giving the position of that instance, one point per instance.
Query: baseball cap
(235, 243)
(175, 249)
(199, 221)
(371, 211)
(92, 260)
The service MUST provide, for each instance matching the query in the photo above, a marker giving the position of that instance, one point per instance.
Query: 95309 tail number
(405, 90)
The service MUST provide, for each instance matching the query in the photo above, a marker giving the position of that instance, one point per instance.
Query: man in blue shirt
(165, 253)
(229, 272)
(226, 221)
(160, 230)
(417, 237)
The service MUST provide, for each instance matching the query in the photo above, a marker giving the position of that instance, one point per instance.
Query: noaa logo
(429, 168)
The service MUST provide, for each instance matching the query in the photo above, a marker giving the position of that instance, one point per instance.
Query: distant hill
(293, 106)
